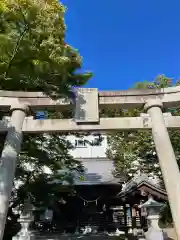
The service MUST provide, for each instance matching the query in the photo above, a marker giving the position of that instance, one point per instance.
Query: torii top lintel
(90, 100)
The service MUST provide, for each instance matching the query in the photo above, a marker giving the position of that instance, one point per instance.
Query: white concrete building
(91, 151)
(91, 146)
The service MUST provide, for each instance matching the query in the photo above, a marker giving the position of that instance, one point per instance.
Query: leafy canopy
(135, 151)
(33, 52)
(35, 57)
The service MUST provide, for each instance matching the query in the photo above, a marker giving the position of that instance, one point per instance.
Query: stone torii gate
(87, 104)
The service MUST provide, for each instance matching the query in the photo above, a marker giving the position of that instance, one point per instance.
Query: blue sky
(125, 41)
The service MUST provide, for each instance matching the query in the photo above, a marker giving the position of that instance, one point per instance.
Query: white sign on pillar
(87, 105)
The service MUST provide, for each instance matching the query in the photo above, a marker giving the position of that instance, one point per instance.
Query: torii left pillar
(8, 160)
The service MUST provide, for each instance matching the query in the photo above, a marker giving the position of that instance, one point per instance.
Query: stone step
(83, 237)
(75, 237)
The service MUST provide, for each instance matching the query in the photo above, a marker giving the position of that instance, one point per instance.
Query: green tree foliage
(35, 57)
(133, 151)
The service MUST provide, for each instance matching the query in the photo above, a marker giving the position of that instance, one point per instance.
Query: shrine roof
(143, 184)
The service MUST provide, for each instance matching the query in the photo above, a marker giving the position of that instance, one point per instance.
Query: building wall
(97, 171)
(87, 150)
(98, 168)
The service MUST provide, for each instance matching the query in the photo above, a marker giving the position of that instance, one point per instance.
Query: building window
(97, 141)
(80, 143)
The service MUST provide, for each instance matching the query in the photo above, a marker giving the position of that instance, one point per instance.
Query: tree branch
(15, 51)
(17, 44)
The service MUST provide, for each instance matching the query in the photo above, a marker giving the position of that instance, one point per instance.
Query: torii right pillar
(167, 159)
